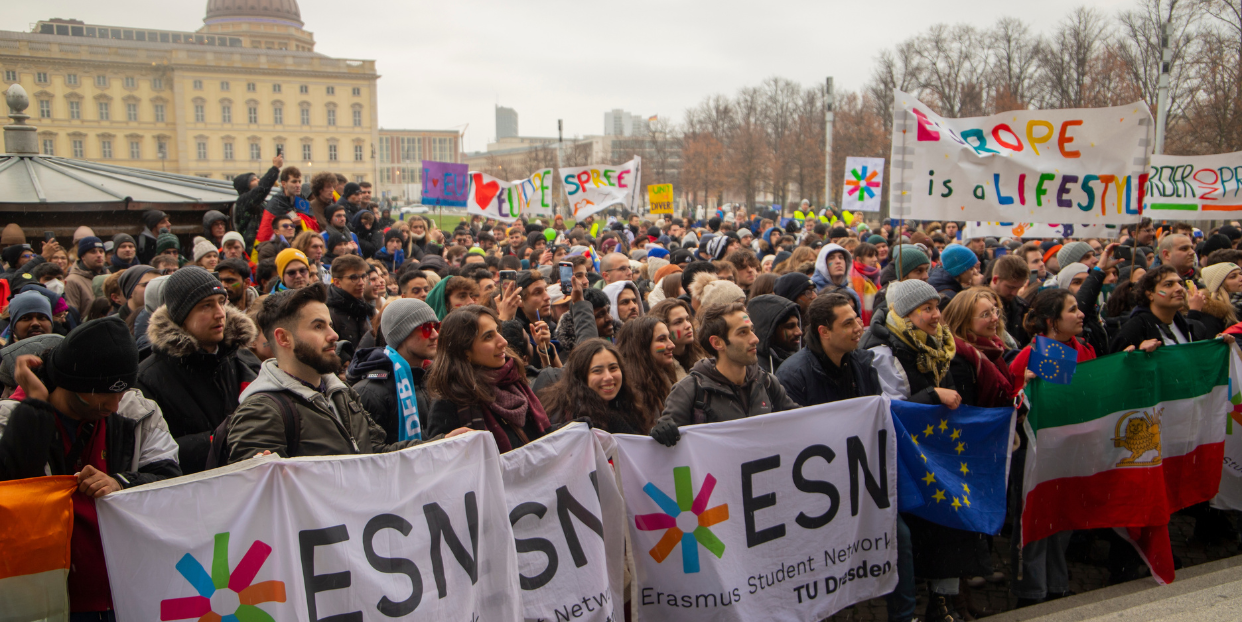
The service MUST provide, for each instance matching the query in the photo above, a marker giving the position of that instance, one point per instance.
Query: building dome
(253, 10)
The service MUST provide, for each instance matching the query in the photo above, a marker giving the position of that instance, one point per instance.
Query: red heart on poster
(434, 182)
(484, 192)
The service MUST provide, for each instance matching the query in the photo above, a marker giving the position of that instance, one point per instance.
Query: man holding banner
(298, 406)
(714, 389)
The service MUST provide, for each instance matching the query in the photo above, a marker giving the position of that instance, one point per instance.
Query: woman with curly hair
(593, 385)
(647, 359)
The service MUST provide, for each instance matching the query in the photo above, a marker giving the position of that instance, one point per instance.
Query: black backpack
(218, 455)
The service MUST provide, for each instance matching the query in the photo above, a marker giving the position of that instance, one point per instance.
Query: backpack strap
(292, 419)
(700, 408)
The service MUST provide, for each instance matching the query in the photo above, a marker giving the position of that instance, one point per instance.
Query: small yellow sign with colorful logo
(660, 196)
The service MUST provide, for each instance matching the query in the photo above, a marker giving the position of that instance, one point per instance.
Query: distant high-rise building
(618, 122)
(506, 122)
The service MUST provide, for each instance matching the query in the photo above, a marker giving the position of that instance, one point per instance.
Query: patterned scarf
(934, 353)
(514, 402)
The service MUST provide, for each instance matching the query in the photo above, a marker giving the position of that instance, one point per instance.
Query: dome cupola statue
(279, 11)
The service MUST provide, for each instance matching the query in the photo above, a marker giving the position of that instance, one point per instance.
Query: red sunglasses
(428, 328)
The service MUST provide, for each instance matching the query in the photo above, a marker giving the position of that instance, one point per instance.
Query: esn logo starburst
(685, 521)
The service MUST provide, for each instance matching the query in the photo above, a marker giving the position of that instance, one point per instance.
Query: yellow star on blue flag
(969, 456)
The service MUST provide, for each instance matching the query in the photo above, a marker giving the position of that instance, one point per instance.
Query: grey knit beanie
(1073, 252)
(906, 296)
(186, 287)
(154, 296)
(33, 345)
(402, 316)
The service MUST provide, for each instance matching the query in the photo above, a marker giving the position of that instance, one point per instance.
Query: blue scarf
(406, 402)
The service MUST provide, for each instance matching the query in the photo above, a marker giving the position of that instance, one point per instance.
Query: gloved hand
(665, 432)
(586, 420)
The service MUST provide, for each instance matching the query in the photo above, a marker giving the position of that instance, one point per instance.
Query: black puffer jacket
(808, 383)
(351, 318)
(768, 312)
(194, 389)
(371, 375)
(248, 209)
(369, 240)
(1144, 325)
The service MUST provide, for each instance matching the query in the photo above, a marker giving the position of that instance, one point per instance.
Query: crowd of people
(309, 322)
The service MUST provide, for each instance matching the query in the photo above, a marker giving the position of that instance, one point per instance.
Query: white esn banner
(789, 516)
(568, 526)
(420, 534)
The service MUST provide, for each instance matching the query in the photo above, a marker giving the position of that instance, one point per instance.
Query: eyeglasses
(428, 328)
(988, 315)
(353, 277)
(297, 272)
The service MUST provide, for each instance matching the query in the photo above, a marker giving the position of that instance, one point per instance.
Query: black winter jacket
(369, 240)
(806, 382)
(1144, 325)
(1088, 298)
(351, 318)
(195, 390)
(247, 211)
(138, 447)
(371, 375)
(768, 312)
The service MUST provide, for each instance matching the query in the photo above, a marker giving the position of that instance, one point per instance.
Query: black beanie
(151, 218)
(13, 254)
(96, 357)
(186, 287)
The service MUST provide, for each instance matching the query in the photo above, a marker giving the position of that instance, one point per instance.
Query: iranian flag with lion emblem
(1134, 438)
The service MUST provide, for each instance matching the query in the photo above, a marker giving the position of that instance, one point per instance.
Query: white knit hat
(1214, 275)
(202, 247)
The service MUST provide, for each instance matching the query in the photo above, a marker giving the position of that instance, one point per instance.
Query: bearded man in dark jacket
(194, 372)
(252, 193)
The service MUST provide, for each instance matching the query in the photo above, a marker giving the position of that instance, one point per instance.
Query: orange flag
(37, 515)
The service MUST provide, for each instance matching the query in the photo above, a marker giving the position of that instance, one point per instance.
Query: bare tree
(1015, 64)
(780, 110)
(1139, 48)
(748, 148)
(900, 69)
(955, 65)
(1067, 60)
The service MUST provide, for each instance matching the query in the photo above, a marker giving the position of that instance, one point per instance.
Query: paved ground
(1088, 572)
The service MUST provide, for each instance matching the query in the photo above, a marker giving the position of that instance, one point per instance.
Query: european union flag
(955, 462)
(1052, 360)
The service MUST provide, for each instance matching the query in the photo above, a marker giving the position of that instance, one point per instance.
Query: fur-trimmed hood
(169, 338)
(1216, 308)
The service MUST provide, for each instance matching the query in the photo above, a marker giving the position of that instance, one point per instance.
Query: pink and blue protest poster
(445, 183)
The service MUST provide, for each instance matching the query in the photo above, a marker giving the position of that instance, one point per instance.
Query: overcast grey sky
(445, 64)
